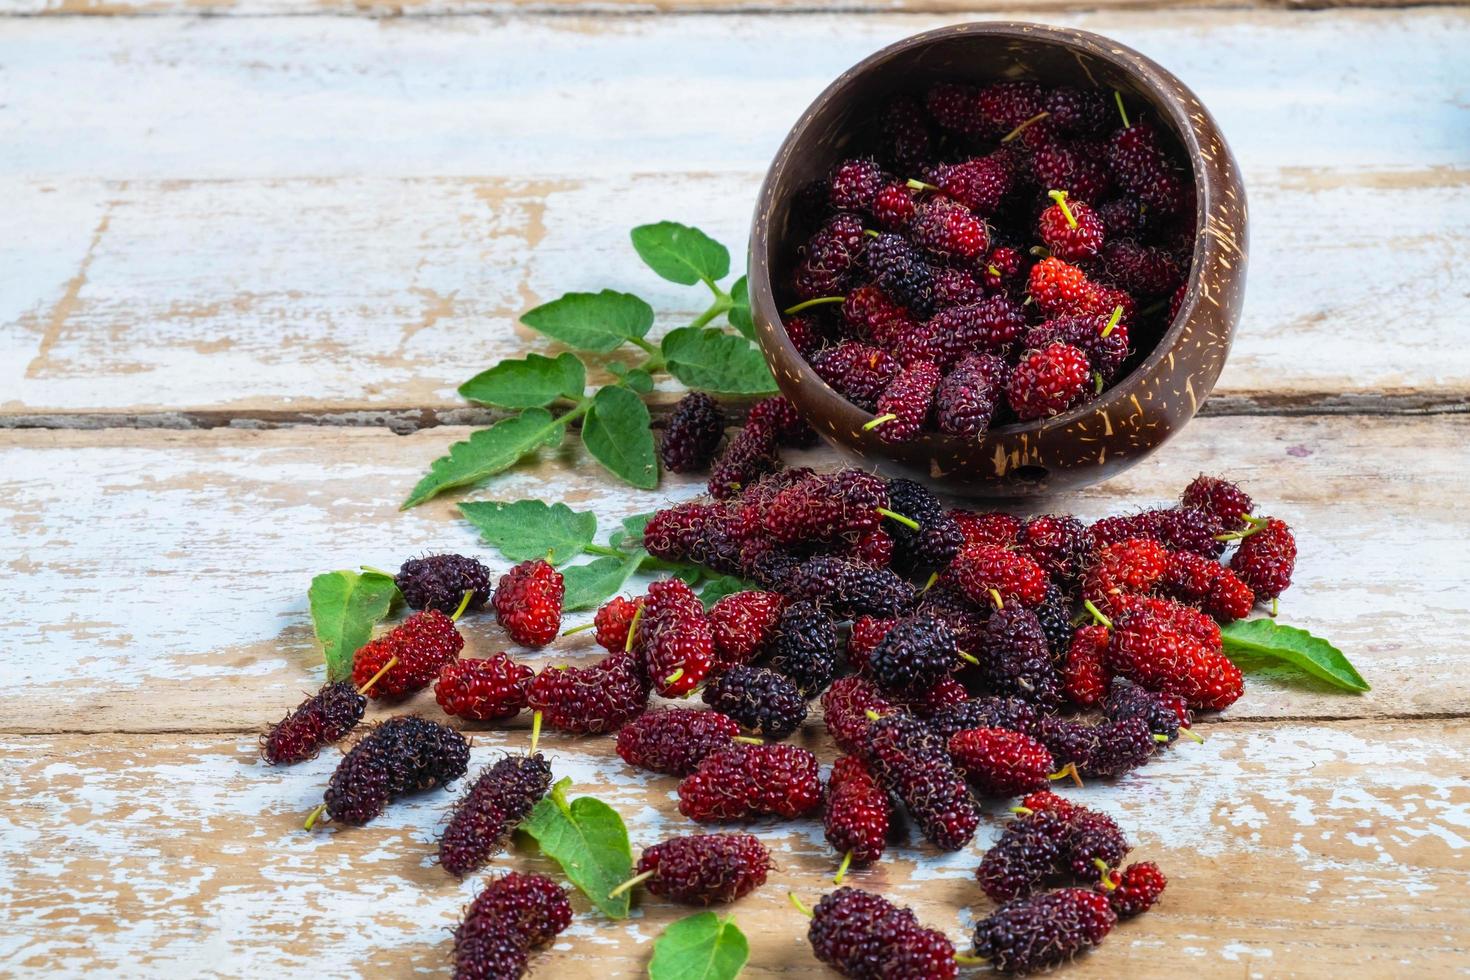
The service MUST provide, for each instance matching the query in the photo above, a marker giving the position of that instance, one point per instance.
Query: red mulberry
(320, 720)
(492, 689)
(857, 813)
(746, 781)
(674, 740)
(590, 700)
(421, 644)
(528, 603)
(702, 869)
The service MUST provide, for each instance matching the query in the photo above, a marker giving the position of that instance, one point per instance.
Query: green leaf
(635, 524)
(344, 607)
(531, 529)
(702, 946)
(588, 839)
(681, 254)
(592, 584)
(487, 452)
(592, 321)
(1271, 640)
(739, 314)
(529, 383)
(717, 588)
(617, 433)
(638, 380)
(712, 360)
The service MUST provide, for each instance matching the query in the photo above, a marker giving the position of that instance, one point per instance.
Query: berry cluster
(1002, 253)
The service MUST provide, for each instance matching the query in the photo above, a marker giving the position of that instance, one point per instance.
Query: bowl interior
(840, 125)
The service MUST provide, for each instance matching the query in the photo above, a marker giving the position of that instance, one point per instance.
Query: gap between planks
(625, 9)
(407, 420)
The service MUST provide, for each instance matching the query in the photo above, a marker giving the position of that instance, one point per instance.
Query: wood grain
(161, 584)
(1292, 850)
(359, 278)
(432, 8)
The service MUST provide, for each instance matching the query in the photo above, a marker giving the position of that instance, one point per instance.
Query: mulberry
(501, 797)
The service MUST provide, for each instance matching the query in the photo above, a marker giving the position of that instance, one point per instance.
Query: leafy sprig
(525, 529)
(550, 393)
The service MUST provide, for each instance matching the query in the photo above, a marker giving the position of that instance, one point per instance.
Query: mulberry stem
(535, 732)
(919, 185)
(1008, 137)
(463, 605)
(933, 577)
(633, 629)
(374, 679)
(1061, 198)
(747, 740)
(312, 817)
(1069, 771)
(1097, 614)
(1118, 98)
(842, 868)
(808, 304)
(579, 629)
(800, 906)
(907, 522)
(872, 424)
(996, 598)
(964, 959)
(1190, 734)
(1112, 321)
(968, 658)
(631, 883)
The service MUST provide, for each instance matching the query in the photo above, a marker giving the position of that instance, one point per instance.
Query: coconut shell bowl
(1174, 363)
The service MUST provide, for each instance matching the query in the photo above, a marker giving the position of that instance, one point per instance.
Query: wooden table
(249, 247)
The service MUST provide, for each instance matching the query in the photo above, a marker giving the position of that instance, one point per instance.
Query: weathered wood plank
(413, 8)
(157, 581)
(226, 299)
(1292, 850)
(198, 267)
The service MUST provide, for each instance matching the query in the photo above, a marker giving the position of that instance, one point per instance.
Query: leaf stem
(722, 304)
(605, 551)
(630, 883)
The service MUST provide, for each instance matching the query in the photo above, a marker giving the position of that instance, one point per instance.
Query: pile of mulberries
(1004, 253)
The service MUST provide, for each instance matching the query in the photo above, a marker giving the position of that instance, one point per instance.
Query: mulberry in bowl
(1002, 258)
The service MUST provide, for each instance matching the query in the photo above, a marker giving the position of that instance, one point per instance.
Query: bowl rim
(1153, 78)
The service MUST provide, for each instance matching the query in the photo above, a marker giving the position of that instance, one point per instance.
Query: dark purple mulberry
(440, 582)
(1043, 931)
(500, 798)
(850, 588)
(405, 754)
(748, 457)
(1164, 714)
(512, 916)
(913, 655)
(693, 433)
(1015, 660)
(763, 701)
(966, 399)
(805, 646)
(933, 546)
(1012, 714)
(863, 935)
(902, 272)
(914, 765)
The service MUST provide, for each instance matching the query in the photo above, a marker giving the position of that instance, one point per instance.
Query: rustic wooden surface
(317, 224)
